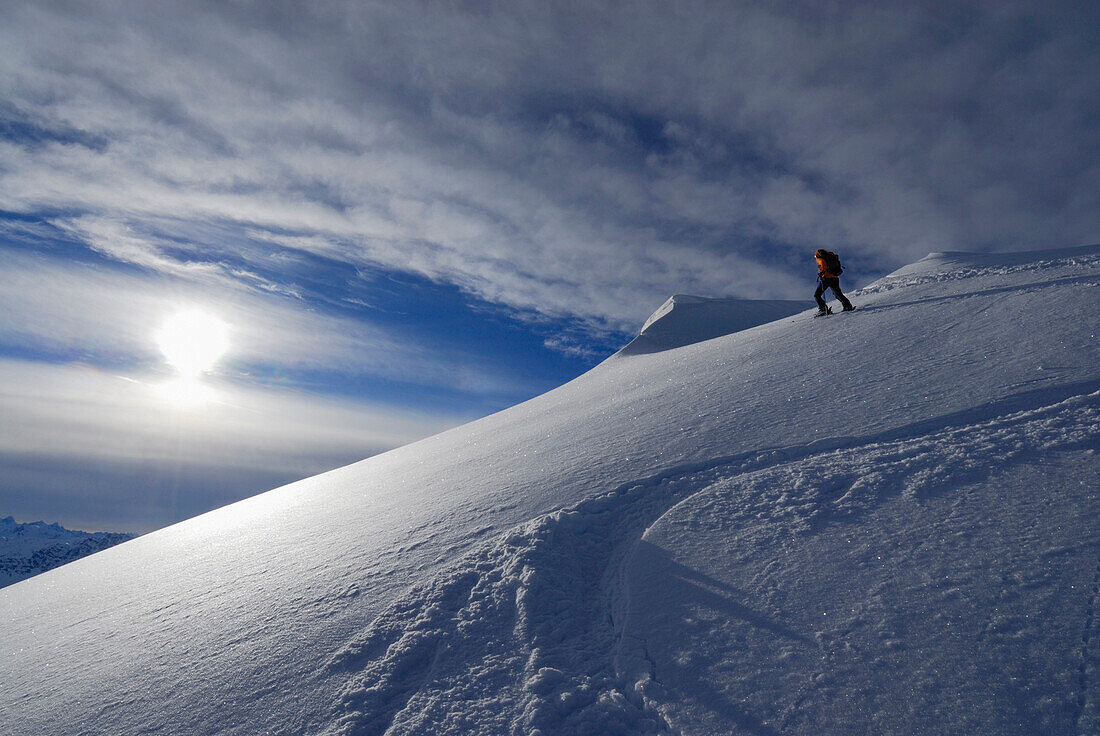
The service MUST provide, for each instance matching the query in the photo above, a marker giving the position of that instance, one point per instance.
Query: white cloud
(79, 411)
(64, 311)
(54, 306)
(583, 160)
(74, 432)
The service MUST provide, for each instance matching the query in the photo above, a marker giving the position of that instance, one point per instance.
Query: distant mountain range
(29, 549)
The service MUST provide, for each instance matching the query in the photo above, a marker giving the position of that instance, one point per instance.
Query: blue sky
(413, 214)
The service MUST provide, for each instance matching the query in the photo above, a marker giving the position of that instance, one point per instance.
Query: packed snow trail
(523, 532)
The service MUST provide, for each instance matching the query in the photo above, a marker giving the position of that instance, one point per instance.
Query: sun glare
(186, 393)
(192, 341)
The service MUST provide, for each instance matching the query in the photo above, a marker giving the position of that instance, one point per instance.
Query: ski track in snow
(1086, 718)
(556, 584)
(912, 276)
(783, 507)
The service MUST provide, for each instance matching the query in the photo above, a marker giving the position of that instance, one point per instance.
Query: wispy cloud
(65, 311)
(59, 417)
(87, 310)
(583, 160)
(124, 418)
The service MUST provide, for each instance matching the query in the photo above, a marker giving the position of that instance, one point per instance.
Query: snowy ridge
(879, 523)
(960, 265)
(685, 319)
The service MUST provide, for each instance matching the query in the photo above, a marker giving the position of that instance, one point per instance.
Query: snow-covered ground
(32, 548)
(880, 522)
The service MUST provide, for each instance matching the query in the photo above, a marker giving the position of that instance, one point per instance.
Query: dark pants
(834, 284)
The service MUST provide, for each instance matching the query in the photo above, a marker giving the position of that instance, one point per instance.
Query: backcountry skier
(828, 277)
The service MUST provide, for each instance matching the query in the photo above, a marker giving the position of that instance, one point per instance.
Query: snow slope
(32, 548)
(880, 522)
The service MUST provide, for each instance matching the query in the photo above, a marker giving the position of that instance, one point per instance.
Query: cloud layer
(579, 161)
(106, 451)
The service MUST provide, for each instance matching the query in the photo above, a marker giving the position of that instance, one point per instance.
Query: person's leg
(817, 295)
(835, 285)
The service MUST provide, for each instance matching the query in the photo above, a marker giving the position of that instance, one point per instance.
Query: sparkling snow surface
(883, 522)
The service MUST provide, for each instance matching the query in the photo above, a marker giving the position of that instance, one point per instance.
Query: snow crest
(685, 320)
(953, 266)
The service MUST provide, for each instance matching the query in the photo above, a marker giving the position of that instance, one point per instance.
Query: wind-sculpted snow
(527, 635)
(883, 522)
(515, 640)
(685, 319)
(951, 622)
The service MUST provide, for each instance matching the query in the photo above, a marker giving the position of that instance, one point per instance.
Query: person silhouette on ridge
(828, 277)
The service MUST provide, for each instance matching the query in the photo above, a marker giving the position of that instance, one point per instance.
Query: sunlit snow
(882, 522)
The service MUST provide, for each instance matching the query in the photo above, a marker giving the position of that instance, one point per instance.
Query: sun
(192, 340)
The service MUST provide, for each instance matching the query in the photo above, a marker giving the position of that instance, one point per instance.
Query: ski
(831, 313)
